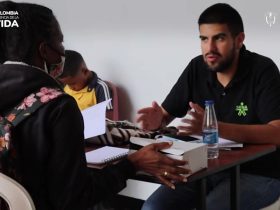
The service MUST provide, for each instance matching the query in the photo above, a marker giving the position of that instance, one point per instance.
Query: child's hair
(73, 61)
(35, 23)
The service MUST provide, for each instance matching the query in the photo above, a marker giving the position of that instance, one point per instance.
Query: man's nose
(212, 47)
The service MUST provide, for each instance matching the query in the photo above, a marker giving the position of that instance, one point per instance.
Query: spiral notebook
(105, 155)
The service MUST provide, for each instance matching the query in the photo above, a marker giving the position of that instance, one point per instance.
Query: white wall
(144, 45)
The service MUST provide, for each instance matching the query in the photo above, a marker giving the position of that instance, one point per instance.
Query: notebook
(106, 154)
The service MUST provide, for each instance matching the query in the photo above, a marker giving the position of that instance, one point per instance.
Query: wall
(143, 46)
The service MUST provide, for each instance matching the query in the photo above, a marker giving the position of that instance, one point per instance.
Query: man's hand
(150, 118)
(166, 169)
(193, 123)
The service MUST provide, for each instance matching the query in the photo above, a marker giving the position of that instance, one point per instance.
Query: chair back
(113, 114)
(14, 194)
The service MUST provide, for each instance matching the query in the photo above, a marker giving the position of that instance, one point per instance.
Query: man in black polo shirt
(245, 87)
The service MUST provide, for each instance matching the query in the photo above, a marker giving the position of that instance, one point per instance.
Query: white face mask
(55, 70)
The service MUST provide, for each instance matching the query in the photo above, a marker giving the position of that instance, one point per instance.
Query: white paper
(224, 143)
(94, 119)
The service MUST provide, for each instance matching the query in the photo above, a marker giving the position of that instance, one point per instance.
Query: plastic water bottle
(210, 130)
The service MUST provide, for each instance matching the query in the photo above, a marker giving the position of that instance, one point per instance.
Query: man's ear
(43, 50)
(240, 39)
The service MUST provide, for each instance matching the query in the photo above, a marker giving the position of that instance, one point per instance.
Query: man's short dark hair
(223, 14)
(73, 61)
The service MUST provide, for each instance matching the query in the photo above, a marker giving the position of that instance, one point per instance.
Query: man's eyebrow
(220, 35)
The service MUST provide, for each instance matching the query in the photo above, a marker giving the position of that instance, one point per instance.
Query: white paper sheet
(223, 143)
(94, 119)
(226, 143)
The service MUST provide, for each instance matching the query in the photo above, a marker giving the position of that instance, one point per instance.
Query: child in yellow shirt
(81, 83)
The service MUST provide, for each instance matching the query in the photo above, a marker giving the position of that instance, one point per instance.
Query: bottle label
(210, 137)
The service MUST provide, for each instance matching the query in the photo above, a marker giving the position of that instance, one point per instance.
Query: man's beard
(224, 64)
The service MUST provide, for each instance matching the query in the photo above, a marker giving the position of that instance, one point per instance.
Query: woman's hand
(166, 169)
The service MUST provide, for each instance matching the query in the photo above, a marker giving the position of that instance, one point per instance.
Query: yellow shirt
(84, 98)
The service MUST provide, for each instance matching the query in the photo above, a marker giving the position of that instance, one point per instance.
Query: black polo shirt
(252, 97)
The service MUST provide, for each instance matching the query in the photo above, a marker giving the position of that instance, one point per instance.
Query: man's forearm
(257, 134)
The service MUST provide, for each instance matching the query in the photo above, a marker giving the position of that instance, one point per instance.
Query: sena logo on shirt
(241, 109)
